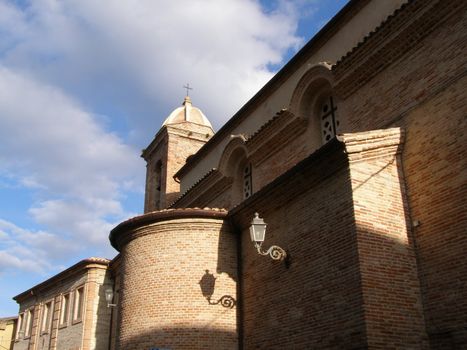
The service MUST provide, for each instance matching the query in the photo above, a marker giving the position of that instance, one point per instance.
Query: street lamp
(257, 234)
(109, 296)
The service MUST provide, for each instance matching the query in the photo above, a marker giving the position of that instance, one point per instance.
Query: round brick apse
(178, 284)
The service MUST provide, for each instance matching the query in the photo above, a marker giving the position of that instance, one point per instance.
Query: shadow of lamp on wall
(257, 234)
(207, 284)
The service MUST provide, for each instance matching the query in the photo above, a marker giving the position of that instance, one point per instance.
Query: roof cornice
(340, 19)
(65, 274)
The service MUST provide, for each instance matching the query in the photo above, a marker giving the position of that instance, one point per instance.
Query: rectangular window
(78, 304)
(65, 310)
(29, 322)
(20, 329)
(46, 317)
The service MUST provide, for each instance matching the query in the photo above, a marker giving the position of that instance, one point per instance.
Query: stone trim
(391, 41)
(372, 144)
(196, 135)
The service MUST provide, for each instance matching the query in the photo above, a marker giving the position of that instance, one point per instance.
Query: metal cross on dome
(188, 88)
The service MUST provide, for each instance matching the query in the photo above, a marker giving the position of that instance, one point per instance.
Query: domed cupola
(187, 113)
(183, 133)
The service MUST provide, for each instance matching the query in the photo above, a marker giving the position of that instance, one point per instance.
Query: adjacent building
(67, 311)
(353, 154)
(7, 332)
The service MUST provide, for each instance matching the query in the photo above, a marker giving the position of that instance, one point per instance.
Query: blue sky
(84, 86)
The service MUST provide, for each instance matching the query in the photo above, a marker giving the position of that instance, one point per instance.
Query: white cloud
(139, 54)
(45, 131)
(87, 221)
(71, 71)
(32, 251)
(80, 171)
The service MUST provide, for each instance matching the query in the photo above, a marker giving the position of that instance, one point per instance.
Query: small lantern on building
(257, 229)
(257, 235)
(109, 296)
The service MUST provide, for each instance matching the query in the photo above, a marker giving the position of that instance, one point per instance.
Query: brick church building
(353, 154)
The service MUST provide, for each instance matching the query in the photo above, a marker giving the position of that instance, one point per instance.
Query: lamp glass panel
(109, 295)
(259, 232)
(252, 233)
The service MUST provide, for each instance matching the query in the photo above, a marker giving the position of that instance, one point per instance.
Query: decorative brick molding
(372, 144)
(316, 76)
(321, 164)
(235, 146)
(260, 146)
(273, 135)
(396, 36)
(205, 190)
(320, 212)
(312, 47)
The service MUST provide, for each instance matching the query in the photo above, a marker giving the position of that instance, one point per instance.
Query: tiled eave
(158, 216)
(211, 176)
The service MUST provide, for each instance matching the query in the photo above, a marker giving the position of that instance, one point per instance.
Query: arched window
(236, 165)
(314, 100)
(327, 112)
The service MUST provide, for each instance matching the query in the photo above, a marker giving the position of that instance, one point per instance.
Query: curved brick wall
(164, 256)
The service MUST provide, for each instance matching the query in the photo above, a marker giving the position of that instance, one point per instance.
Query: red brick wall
(424, 92)
(435, 164)
(352, 281)
(182, 145)
(161, 301)
(317, 302)
(295, 150)
(159, 154)
(172, 146)
(362, 278)
(390, 285)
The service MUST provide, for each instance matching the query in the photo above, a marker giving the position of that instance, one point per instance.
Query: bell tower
(183, 133)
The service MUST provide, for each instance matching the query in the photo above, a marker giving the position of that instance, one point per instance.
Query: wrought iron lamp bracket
(275, 252)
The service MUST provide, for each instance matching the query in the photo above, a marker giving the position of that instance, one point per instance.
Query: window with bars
(247, 186)
(329, 119)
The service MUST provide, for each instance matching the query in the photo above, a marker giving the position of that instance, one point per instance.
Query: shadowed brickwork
(164, 256)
